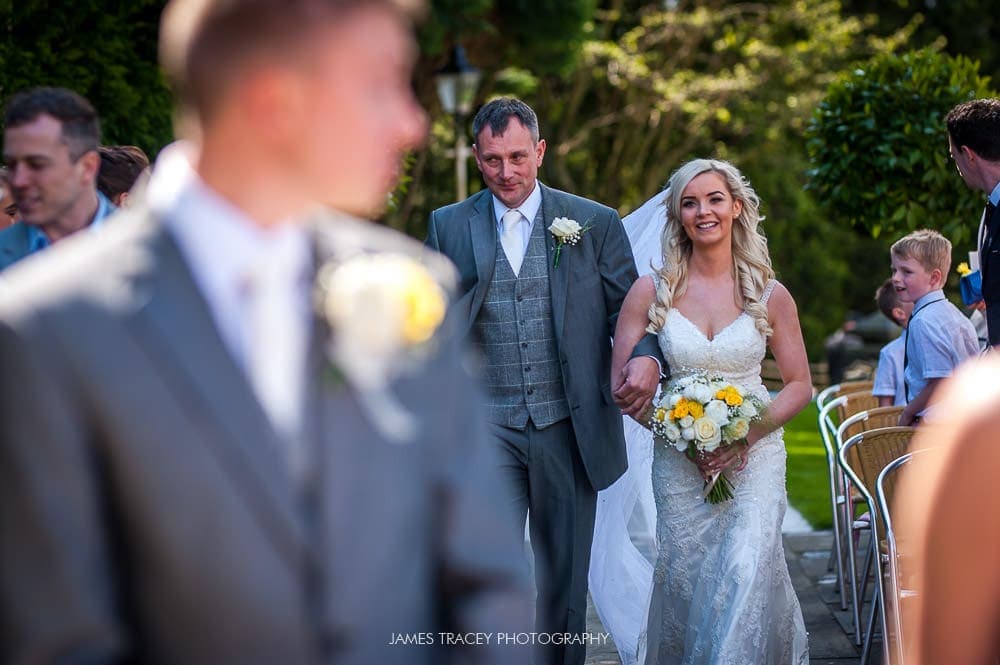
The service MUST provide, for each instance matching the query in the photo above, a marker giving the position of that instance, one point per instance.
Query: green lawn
(808, 484)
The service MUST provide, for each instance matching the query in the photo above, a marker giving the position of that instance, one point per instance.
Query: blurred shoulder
(342, 238)
(86, 269)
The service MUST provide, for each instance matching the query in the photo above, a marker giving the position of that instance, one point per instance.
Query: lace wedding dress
(675, 579)
(721, 591)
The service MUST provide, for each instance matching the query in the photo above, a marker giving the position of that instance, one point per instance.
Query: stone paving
(830, 643)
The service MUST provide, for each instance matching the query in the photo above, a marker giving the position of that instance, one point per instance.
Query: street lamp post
(457, 82)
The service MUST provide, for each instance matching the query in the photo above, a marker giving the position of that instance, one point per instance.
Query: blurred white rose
(717, 411)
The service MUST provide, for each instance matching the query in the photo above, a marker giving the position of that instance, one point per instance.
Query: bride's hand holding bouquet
(709, 420)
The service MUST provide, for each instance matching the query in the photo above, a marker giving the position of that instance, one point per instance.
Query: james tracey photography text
(500, 639)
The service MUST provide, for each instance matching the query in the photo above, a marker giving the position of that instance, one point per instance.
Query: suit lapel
(191, 355)
(558, 275)
(483, 228)
(991, 231)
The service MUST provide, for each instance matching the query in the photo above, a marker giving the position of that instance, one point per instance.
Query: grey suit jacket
(587, 290)
(13, 244)
(145, 507)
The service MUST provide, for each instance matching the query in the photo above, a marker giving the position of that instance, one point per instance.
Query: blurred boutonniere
(383, 310)
(565, 231)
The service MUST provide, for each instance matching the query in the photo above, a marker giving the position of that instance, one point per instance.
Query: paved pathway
(807, 554)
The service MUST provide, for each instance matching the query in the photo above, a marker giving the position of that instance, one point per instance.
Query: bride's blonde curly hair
(751, 260)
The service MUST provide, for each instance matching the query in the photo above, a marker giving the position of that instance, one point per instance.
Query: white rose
(747, 409)
(563, 226)
(737, 428)
(686, 422)
(707, 433)
(685, 381)
(671, 432)
(717, 411)
(688, 433)
(674, 398)
(699, 392)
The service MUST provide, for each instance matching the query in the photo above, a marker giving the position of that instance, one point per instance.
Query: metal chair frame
(885, 416)
(865, 480)
(894, 593)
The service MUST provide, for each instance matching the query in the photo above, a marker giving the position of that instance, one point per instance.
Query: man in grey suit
(50, 149)
(198, 465)
(541, 306)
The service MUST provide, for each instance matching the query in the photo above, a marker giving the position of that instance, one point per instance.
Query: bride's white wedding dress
(721, 590)
(712, 586)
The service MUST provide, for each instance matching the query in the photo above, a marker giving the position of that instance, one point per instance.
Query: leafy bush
(104, 51)
(879, 149)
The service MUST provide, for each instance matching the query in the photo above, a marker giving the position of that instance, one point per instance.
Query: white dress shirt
(529, 209)
(223, 248)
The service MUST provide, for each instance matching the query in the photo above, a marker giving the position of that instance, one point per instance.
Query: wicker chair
(878, 416)
(829, 417)
(895, 591)
(863, 457)
(838, 389)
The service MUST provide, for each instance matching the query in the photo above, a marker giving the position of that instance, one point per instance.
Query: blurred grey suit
(145, 508)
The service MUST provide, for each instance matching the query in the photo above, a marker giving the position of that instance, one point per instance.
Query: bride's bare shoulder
(780, 302)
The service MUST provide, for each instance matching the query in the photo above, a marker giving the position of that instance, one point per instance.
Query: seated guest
(938, 337)
(50, 150)
(8, 211)
(121, 166)
(889, 372)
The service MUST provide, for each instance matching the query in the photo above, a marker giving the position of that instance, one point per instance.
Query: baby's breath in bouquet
(698, 414)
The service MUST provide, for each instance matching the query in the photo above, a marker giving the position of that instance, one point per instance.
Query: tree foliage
(654, 85)
(968, 27)
(878, 144)
(104, 51)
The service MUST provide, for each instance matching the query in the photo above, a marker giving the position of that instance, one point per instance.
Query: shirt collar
(222, 243)
(995, 196)
(928, 297)
(37, 240)
(529, 208)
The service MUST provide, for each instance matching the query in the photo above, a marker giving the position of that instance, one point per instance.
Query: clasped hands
(733, 456)
(635, 387)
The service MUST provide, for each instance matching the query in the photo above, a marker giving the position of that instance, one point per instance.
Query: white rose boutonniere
(566, 231)
(383, 310)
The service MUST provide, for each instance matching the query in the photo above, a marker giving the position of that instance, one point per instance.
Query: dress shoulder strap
(768, 288)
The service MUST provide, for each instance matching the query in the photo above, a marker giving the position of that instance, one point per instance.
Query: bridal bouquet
(699, 414)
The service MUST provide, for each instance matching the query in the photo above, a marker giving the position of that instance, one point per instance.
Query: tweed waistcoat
(515, 330)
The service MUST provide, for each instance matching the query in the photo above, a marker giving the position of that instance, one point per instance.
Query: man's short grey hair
(497, 115)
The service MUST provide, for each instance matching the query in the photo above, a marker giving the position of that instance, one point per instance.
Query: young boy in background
(938, 337)
(889, 385)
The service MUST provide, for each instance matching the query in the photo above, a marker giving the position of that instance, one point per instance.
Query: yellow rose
(681, 409)
(733, 397)
(696, 410)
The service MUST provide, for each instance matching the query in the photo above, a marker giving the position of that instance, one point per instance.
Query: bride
(720, 591)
